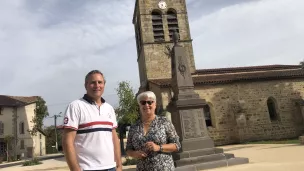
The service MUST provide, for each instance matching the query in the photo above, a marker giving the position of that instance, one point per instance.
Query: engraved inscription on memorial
(193, 122)
(201, 121)
(187, 122)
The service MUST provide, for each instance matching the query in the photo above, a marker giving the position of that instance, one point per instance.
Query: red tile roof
(241, 74)
(246, 69)
(14, 101)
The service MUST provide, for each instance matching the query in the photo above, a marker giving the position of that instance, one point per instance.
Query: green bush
(32, 162)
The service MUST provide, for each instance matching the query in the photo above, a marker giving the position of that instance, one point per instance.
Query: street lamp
(55, 121)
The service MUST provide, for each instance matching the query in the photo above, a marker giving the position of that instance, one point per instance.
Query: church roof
(247, 69)
(14, 101)
(240, 74)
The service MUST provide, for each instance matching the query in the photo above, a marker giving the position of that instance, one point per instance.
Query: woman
(152, 138)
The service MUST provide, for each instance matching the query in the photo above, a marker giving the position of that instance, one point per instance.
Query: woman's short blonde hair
(147, 94)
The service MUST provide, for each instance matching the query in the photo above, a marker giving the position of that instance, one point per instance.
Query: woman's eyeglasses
(145, 102)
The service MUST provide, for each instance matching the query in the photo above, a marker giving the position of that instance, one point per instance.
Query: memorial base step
(213, 164)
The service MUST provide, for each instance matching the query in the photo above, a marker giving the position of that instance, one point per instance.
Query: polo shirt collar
(90, 100)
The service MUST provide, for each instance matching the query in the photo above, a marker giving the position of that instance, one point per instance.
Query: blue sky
(48, 46)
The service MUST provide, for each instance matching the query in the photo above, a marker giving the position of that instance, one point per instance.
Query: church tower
(154, 22)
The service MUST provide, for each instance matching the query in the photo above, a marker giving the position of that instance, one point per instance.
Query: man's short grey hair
(147, 94)
(94, 72)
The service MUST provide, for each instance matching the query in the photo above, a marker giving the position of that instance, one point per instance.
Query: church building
(243, 103)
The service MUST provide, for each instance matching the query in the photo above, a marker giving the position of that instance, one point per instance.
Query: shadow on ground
(60, 159)
(52, 168)
(283, 146)
(238, 148)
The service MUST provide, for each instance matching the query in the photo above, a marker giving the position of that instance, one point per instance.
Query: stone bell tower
(154, 22)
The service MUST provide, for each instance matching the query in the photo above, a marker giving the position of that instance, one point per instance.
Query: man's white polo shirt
(93, 142)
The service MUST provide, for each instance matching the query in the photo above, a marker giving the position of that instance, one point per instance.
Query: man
(89, 140)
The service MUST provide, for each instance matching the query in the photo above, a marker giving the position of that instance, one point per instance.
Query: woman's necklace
(146, 126)
(148, 122)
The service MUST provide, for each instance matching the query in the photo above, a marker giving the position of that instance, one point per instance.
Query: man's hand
(119, 168)
(68, 138)
(139, 154)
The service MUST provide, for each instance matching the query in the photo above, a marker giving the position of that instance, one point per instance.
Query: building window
(207, 115)
(21, 128)
(22, 144)
(1, 128)
(158, 29)
(2, 147)
(172, 22)
(272, 109)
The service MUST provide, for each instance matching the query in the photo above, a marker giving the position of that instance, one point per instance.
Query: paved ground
(48, 165)
(267, 157)
(277, 157)
(42, 158)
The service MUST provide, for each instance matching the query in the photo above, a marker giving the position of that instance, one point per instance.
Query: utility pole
(55, 123)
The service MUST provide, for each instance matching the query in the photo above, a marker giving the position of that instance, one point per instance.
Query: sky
(47, 47)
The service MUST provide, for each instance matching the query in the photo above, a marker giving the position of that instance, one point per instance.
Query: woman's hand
(139, 154)
(152, 146)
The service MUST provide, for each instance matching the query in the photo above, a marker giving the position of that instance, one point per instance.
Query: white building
(16, 114)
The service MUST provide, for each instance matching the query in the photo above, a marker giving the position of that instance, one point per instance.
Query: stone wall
(158, 64)
(239, 111)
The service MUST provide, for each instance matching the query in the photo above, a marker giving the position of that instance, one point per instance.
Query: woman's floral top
(161, 131)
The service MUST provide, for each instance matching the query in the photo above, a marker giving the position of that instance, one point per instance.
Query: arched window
(172, 22)
(298, 118)
(21, 128)
(272, 109)
(158, 29)
(207, 114)
(1, 128)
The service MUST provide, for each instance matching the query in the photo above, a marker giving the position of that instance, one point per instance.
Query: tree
(8, 139)
(127, 112)
(50, 139)
(41, 112)
(302, 64)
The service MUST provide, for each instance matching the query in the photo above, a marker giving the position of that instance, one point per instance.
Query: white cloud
(255, 33)
(47, 47)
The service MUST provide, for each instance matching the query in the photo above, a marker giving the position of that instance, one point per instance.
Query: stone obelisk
(186, 108)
